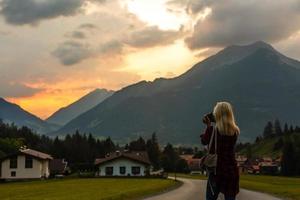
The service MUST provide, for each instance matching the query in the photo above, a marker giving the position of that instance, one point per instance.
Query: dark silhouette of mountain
(261, 83)
(12, 113)
(66, 114)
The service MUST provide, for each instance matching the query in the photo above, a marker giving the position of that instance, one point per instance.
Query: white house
(124, 163)
(25, 164)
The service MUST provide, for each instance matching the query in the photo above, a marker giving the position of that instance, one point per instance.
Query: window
(122, 170)
(28, 162)
(13, 174)
(136, 170)
(13, 162)
(109, 171)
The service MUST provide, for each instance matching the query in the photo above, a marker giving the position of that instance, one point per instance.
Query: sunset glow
(51, 57)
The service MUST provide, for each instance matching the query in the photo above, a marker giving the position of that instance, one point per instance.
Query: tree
(258, 139)
(288, 167)
(278, 145)
(268, 130)
(154, 152)
(291, 129)
(277, 127)
(199, 154)
(297, 129)
(286, 128)
(138, 145)
(249, 152)
(182, 166)
(169, 158)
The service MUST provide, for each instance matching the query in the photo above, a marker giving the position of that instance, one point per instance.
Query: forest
(80, 150)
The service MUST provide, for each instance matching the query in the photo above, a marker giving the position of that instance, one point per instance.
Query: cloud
(21, 12)
(78, 35)
(12, 89)
(71, 52)
(111, 47)
(18, 12)
(239, 22)
(151, 36)
(191, 6)
(290, 46)
(88, 26)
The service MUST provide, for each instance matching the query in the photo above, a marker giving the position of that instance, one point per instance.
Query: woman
(225, 178)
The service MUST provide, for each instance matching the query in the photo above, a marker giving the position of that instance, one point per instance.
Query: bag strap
(213, 136)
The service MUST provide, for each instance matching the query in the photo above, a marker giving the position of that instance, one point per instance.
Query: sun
(155, 13)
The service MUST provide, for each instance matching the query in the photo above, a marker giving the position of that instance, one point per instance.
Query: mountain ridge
(174, 107)
(13, 113)
(83, 104)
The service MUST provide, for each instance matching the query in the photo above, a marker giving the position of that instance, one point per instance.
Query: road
(195, 190)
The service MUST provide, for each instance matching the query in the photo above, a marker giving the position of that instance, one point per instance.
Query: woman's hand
(207, 121)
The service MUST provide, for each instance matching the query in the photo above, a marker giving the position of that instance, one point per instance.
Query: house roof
(30, 152)
(138, 156)
(187, 157)
(36, 154)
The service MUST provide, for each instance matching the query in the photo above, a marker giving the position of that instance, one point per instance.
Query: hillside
(270, 147)
(12, 113)
(260, 82)
(66, 114)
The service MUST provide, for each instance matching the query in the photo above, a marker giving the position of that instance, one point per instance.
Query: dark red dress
(227, 174)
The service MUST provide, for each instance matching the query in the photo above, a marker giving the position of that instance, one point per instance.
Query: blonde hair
(225, 121)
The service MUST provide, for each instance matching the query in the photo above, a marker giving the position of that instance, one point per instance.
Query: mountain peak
(249, 47)
(261, 44)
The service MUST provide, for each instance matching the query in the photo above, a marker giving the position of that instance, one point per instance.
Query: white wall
(38, 170)
(116, 164)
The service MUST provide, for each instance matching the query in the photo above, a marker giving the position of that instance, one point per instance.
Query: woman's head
(225, 121)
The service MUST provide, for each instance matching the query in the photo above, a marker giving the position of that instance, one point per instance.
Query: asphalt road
(195, 190)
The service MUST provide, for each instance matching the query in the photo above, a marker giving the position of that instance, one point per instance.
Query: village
(32, 164)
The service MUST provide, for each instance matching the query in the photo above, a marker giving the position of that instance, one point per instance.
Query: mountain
(66, 114)
(12, 113)
(261, 83)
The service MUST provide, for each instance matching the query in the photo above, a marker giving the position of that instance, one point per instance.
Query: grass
(279, 186)
(263, 148)
(284, 187)
(84, 189)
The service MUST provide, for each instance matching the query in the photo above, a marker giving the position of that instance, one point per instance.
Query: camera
(210, 116)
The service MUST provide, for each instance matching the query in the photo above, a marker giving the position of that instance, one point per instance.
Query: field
(84, 189)
(279, 186)
(284, 187)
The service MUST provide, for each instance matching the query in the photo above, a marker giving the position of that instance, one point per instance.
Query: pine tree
(277, 127)
(137, 145)
(291, 129)
(286, 128)
(169, 158)
(268, 130)
(288, 167)
(278, 145)
(154, 152)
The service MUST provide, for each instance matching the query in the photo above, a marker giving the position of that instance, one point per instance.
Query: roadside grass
(284, 187)
(85, 189)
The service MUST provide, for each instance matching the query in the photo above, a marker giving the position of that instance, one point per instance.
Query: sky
(53, 52)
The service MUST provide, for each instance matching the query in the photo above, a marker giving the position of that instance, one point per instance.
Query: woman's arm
(205, 137)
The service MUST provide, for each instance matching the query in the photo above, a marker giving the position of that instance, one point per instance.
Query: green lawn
(84, 189)
(279, 186)
(284, 187)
